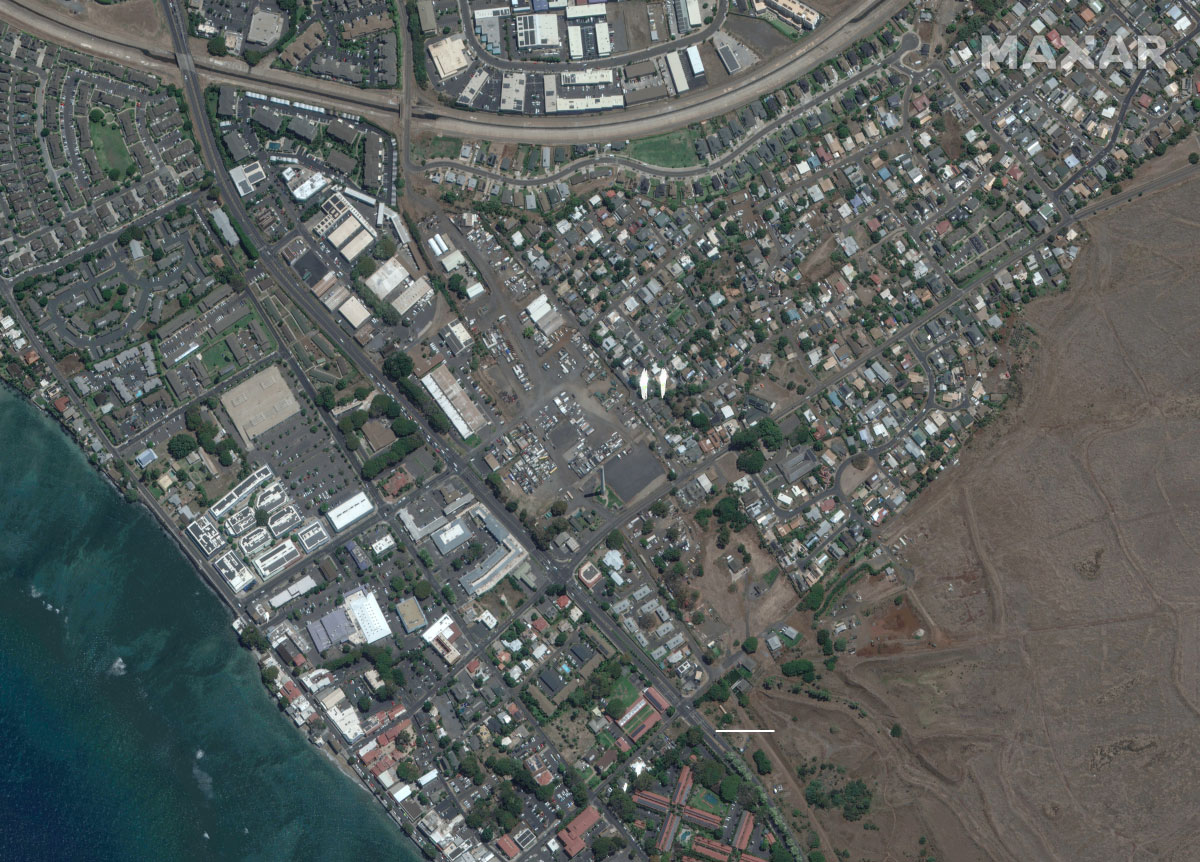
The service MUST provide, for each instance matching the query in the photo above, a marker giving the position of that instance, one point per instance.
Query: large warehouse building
(259, 404)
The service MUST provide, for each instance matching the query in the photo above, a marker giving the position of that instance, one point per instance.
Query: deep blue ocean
(131, 724)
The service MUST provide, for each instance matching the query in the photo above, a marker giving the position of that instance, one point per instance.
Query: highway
(385, 107)
(908, 43)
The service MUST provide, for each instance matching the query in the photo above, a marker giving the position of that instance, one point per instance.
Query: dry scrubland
(1056, 572)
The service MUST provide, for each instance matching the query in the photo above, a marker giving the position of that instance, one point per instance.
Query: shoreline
(167, 529)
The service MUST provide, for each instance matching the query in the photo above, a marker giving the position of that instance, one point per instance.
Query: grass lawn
(605, 740)
(672, 150)
(623, 695)
(706, 800)
(111, 152)
(442, 148)
(216, 356)
(790, 32)
(769, 577)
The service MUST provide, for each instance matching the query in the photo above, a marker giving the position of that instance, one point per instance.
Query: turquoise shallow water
(102, 764)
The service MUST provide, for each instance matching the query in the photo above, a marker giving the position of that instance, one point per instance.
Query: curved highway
(908, 43)
(382, 106)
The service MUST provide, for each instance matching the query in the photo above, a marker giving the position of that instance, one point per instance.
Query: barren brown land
(1051, 710)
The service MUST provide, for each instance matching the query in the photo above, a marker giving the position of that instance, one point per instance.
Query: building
(539, 30)
(797, 12)
(572, 836)
(224, 225)
(544, 316)
(354, 509)
(247, 177)
(675, 67)
(390, 275)
(354, 311)
(411, 615)
(442, 635)
(450, 55)
(265, 27)
(454, 401)
(259, 404)
(427, 17)
(364, 609)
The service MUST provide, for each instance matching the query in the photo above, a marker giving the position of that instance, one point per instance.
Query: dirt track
(1056, 568)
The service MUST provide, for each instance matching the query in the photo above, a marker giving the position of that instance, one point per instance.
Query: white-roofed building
(365, 610)
(354, 311)
(412, 294)
(357, 507)
(390, 275)
(544, 315)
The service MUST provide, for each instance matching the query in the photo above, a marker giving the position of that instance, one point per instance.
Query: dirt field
(751, 607)
(141, 18)
(759, 34)
(634, 19)
(1049, 713)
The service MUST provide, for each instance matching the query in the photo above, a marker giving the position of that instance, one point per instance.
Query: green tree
(751, 461)
(216, 46)
(614, 541)
(761, 762)
(398, 366)
(181, 445)
(750, 645)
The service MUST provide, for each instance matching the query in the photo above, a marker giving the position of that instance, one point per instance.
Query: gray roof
(333, 628)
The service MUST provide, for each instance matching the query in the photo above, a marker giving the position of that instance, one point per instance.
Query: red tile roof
(508, 847)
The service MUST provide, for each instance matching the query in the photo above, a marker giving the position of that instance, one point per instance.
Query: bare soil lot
(634, 19)
(1050, 711)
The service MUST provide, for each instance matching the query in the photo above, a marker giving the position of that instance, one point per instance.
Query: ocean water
(132, 726)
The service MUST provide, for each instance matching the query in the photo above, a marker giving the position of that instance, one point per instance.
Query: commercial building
(411, 615)
(539, 30)
(678, 78)
(354, 311)
(390, 275)
(278, 558)
(544, 316)
(354, 509)
(265, 27)
(259, 404)
(454, 401)
(330, 630)
(365, 611)
(416, 292)
(603, 39)
(247, 177)
(241, 491)
(450, 55)
(442, 635)
(512, 92)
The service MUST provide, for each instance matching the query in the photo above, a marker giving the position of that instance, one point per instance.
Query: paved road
(908, 43)
(613, 62)
(381, 106)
